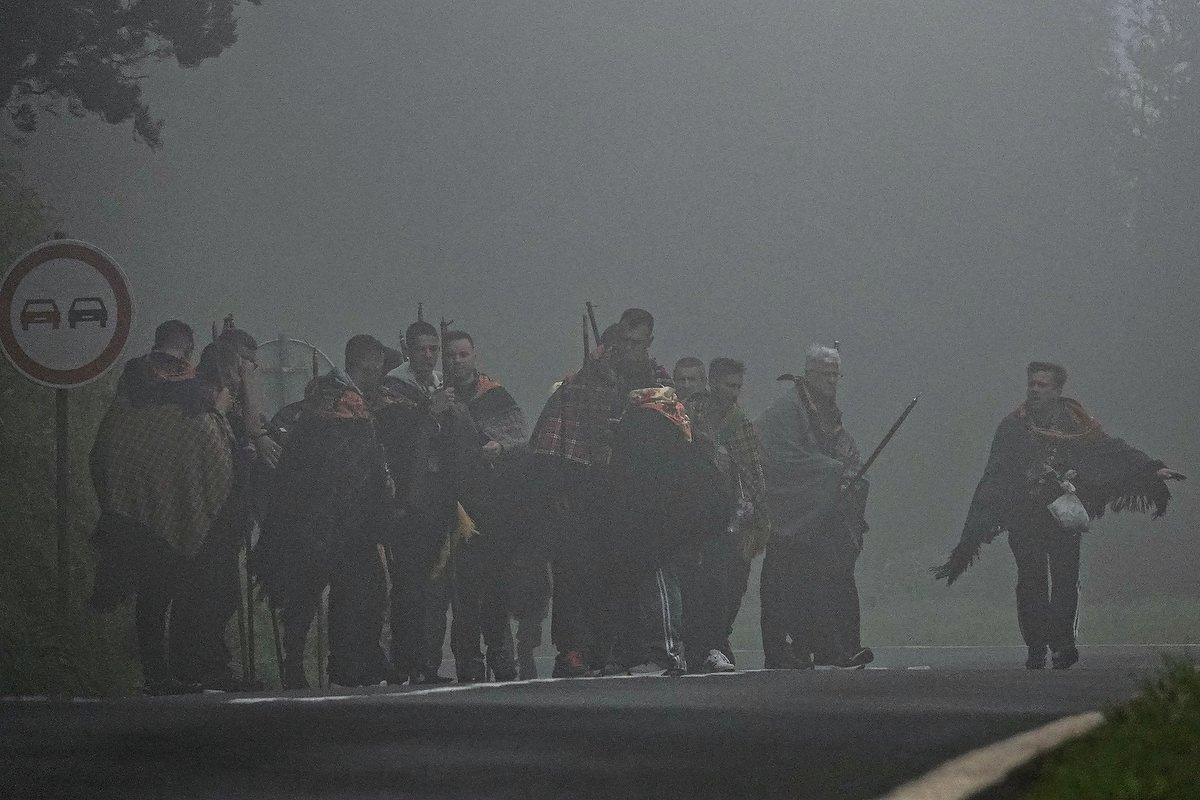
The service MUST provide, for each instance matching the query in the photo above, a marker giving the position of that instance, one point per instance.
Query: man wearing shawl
(570, 448)
(162, 468)
(817, 525)
(484, 564)
(323, 524)
(431, 444)
(161, 375)
(713, 591)
(1049, 457)
(666, 500)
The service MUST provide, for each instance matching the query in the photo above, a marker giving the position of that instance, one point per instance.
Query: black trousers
(643, 611)
(1047, 585)
(161, 570)
(134, 560)
(709, 588)
(357, 600)
(480, 606)
(207, 600)
(575, 556)
(420, 599)
(810, 596)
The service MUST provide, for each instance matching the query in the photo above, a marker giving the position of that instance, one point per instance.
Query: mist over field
(937, 184)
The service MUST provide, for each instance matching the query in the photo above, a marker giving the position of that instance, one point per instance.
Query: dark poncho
(330, 490)
(665, 491)
(1012, 495)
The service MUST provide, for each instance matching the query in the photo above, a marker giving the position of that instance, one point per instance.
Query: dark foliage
(89, 55)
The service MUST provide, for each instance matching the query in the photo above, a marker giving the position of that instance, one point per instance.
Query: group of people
(409, 485)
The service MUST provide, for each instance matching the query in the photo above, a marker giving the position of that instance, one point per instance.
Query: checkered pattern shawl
(577, 422)
(164, 468)
(735, 432)
(498, 416)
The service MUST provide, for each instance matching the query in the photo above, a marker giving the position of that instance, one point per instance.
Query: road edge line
(987, 766)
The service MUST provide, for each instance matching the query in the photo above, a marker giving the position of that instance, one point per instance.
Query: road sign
(65, 313)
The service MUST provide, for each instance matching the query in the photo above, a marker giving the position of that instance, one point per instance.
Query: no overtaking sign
(65, 313)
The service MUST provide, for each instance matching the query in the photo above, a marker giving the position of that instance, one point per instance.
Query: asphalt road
(750, 734)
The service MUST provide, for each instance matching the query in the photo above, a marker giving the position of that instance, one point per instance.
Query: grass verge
(1146, 750)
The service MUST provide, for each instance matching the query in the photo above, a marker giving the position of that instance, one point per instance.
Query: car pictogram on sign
(87, 309)
(40, 311)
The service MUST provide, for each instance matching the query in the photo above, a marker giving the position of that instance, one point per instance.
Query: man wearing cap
(808, 588)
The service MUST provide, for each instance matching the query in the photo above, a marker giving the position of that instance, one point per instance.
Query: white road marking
(977, 770)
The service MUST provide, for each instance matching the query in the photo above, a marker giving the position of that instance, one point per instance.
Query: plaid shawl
(577, 422)
(498, 416)
(735, 432)
(165, 469)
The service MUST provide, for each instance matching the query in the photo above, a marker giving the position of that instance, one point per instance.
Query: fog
(927, 182)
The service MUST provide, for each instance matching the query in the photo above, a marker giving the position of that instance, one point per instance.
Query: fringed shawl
(1112, 476)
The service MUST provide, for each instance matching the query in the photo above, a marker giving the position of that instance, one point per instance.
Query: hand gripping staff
(862, 471)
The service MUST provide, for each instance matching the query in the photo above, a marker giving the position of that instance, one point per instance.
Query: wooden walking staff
(245, 600)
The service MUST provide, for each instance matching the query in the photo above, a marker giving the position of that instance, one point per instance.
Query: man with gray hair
(817, 524)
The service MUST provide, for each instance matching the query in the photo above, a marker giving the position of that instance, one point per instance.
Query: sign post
(64, 350)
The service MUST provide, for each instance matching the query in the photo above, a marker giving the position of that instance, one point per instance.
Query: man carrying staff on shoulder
(570, 449)
(482, 563)
(1051, 470)
(431, 444)
(323, 523)
(808, 588)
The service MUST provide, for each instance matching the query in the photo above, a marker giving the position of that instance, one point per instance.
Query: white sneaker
(717, 662)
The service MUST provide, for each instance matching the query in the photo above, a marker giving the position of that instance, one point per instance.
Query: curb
(962, 777)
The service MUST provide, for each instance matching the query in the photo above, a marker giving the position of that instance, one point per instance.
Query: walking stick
(278, 643)
(248, 668)
(243, 641)
(322, 631)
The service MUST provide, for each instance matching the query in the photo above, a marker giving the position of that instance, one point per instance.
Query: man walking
(1052, 470)
(808, 588)
(713, 593)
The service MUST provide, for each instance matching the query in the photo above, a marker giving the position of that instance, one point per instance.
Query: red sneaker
(571, 664)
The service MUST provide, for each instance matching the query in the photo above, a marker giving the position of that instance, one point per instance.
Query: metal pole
(62, 479)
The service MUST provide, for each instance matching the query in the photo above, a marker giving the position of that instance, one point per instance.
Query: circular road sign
(65, 313)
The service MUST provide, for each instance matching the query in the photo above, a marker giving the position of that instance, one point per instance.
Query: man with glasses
(808, 589)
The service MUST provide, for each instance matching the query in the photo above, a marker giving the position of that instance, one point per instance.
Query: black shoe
(294, 677)
(428, 678)
(227, 682)
(526, 667)
(856, 660)
(163, 687)
(1036, 658)
(1065, 658)
(505, 674)
(785, 660)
